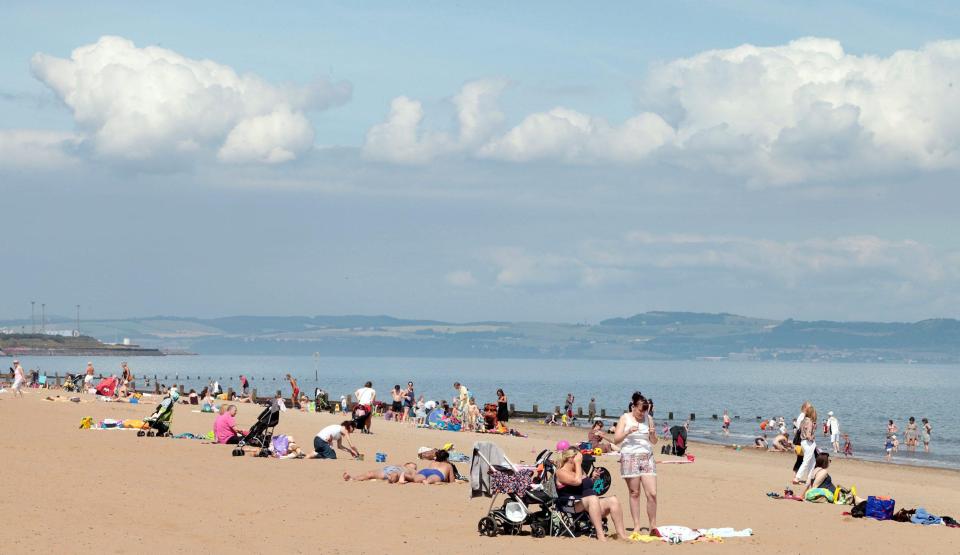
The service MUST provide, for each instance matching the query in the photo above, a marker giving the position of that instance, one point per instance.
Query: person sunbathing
(437, 471)
(391, 474)
(572, 481)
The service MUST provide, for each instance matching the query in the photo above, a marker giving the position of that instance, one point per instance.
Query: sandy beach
(81, 491)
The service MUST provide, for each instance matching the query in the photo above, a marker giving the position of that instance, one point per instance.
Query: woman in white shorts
(636, 434)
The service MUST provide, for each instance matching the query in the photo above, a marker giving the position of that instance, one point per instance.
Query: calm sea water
(863, 396)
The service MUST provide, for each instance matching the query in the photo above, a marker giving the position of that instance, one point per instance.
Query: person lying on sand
(285, 447)
(437, 471)
(391, 474)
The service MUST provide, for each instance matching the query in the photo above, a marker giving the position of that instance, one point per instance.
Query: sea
(863, 396)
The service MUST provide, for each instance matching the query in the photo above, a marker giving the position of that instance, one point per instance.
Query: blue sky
(482, 161)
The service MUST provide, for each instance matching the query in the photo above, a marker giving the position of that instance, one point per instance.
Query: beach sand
(68, 490)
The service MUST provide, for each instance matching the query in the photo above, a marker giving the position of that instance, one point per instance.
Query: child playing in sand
(391, 474)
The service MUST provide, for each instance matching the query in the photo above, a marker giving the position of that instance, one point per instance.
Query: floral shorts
(633, 465)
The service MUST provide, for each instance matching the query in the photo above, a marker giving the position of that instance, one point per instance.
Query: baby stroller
(261, 432)
(679, 447)
(73, 382)
(158, 423)
(321, 401)
(492, 475)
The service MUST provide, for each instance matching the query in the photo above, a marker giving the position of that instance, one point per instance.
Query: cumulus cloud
(402, 138)
(805, 110)
(152, 105)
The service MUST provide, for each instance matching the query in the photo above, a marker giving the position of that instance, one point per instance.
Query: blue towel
(923, 517)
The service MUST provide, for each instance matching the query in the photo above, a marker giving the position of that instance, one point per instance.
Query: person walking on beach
(911, 435)
(366, 396)
(796, 435)
(463, 395)
(503, 412)
(295, 395)
(88, 378)
(244, 385)
(17, 379)
(808, 445)
(397, 406)
(833, 425)
(927, 429)
(726, 423)
(568, 406)
(409, 400)
(636, 434)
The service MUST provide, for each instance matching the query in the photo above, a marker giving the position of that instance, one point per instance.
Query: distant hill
(655, 335)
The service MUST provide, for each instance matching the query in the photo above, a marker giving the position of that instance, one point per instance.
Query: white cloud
(401, 138)
(461, 278)
(802, 111)
(270, 139)
(154, 105)
(789, 264)
(30, 149)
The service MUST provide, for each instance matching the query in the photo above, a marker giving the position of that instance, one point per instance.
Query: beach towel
(925, 518)
(880, 508)
(819, 495)
(676, 534)
(726, 532)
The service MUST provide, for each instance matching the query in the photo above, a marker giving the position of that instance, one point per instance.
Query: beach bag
(880, 508)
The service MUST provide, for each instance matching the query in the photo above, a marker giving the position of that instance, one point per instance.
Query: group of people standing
(912, 435)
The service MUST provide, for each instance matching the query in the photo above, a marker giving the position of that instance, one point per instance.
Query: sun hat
(830, 413)
(423, 450)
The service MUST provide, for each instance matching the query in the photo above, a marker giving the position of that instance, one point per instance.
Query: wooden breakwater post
(156, 385)
(670, 415)
(693, 416)
(580, 412)
(603, 413)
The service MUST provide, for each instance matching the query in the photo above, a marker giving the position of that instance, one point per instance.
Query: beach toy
(380, 457)
(563, 445)
(597, 451)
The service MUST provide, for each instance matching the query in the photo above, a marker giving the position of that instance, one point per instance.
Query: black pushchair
(492, 474)
(261, 432)
(679, 446)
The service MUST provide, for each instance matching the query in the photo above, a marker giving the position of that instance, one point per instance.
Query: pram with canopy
(679, 436)
(73, 382)
(492, 474)
(261, 432)
(159, 421)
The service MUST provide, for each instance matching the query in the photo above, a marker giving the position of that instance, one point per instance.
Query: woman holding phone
(636, 435)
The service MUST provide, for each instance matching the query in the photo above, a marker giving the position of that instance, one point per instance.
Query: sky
(481, 161)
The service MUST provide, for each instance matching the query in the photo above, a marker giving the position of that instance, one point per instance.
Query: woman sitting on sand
(437, 471)
(572, 482)
(391, 474)
(820, 477)
(598, 438)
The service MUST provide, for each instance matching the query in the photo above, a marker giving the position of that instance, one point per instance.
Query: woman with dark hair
(503, 415)
(573, 482)
(335, 432)
(636, 435)
(911, 434)
(437, 471)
